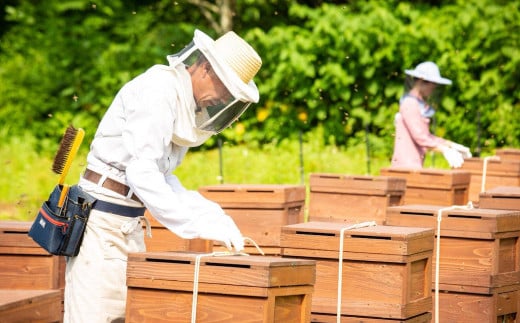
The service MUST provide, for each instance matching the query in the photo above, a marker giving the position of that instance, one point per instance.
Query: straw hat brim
(237, 87)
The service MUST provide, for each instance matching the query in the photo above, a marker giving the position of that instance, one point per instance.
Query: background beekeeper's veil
(235, 62)
(427, 71)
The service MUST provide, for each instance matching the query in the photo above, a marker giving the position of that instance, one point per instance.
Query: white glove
(466, 153)
(453, 156)
(224, 230)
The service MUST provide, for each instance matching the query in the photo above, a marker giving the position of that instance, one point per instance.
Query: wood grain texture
(230, 288)
(386, 271)
(23, 263)
(31, 305)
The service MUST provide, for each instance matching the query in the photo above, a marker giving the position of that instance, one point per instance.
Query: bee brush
(67, 150)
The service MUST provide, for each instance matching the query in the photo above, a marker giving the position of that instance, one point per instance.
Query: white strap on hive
(469, 206)
(197, 271)
(484, 171)
(340, 264)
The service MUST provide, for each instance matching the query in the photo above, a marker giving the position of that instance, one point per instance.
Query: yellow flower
(262, 114)
(302, 116)
(240, 128)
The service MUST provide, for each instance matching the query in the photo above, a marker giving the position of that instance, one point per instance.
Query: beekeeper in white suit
(142, 138)
(412, 123)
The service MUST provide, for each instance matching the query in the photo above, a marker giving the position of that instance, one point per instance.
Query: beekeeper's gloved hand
(453, 156)
(224, 229)
(466, 153)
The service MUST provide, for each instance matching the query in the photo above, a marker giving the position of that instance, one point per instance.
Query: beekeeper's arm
(147, 135)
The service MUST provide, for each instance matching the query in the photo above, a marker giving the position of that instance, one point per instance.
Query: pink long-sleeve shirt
(412, 135)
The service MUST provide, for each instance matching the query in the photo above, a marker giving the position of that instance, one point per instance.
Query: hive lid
(430, 178)
(254, 271)
(356, 184)
(14, 238)
(470, 223)
(512, 192)
(254, 193)
(500, 167)
(366, 242)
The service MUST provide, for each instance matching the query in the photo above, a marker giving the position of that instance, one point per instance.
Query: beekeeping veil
(235, 62)
(427, 71)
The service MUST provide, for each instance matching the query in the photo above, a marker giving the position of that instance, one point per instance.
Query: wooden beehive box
(348, 198)
(386, 271)
(332, 318)
(500, 305)
(229, 288)
(23, 263)
(497, 173)
(508, 154)
(433, 186)
(31, 305)
(260, 210)
(501, 198)
(164, 240)
(479, 248)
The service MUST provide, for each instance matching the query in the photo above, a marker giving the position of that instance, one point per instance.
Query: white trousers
(95, 280)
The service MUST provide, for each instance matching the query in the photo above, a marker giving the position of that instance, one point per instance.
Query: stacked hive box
(345, 198)
(433, 186)
(385, 271)
(501, 198)
(260, 210)
(18, 305)
(31, 280)
(479, 260)
(163, 239)
(163, 287)
(508, 154)
(496, 172)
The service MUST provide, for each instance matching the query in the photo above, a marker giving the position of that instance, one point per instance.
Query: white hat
(428, 71)
(234, 61)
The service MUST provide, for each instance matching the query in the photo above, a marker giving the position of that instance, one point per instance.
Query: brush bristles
(64, 150)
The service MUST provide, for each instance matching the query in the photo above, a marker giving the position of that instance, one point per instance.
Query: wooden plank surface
(501, 197)
(332, 318)
(379, 239)
(389, 290)
(506, 168)
(509, 154)
(356, 184)
(429, 178)
(354, 208)
(31, 305)
(15, 234)
(285, 304)
(471, 221)
(254, 194)
(467, 307)
(258, 271)
(18, 271)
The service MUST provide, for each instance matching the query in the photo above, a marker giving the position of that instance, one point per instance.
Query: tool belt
(59, 230)
(110, 184)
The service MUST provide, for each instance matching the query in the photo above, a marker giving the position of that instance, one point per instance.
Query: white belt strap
(340, 264)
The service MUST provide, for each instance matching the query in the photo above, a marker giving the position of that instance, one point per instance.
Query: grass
(28, 178)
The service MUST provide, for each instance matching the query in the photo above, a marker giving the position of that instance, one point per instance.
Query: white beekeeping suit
(142, 138)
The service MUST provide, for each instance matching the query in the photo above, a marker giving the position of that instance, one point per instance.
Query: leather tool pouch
(60, 230)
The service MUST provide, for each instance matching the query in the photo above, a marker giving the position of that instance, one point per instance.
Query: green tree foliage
(330, 64)
(343, 67)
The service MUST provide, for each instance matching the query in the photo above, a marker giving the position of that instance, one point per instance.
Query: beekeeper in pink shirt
(412, 123)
